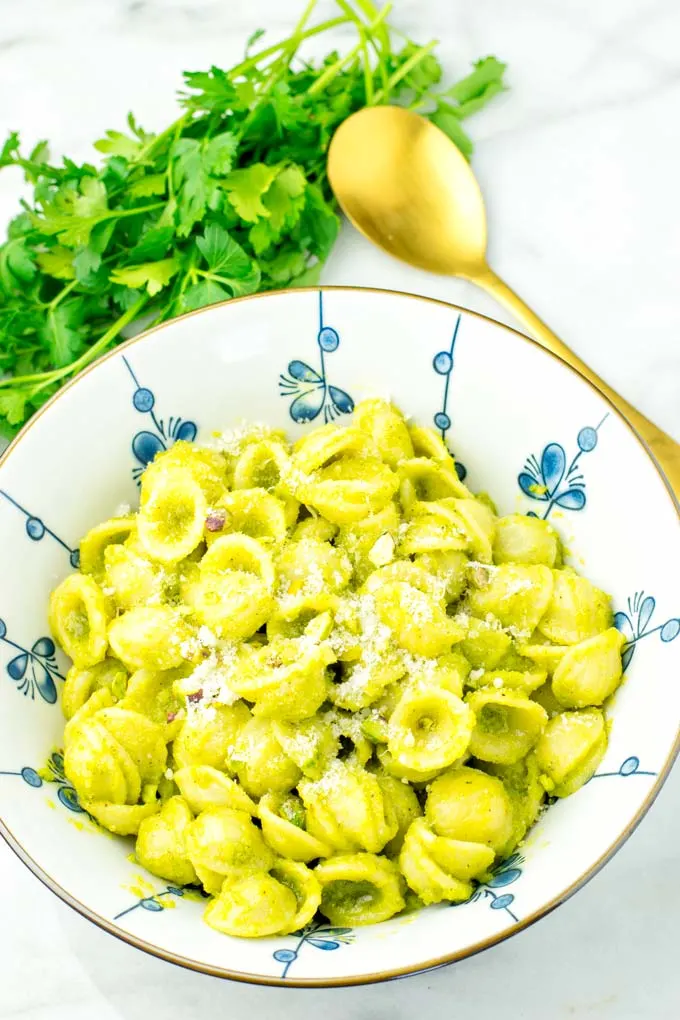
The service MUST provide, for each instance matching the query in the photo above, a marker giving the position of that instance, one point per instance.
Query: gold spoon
(406, 187)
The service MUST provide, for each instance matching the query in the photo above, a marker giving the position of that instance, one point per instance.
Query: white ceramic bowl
(513, 415)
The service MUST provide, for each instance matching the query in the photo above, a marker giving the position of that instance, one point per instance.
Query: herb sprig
(230, 199)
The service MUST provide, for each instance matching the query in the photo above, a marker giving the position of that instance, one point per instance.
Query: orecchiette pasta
(253, 512)
(149, 637)
(508, 724)
(283, 827)
(577, 610)
(468, 804)
(102, 537)
(172, 515)
(349, 488)
(134, 580)
(439, 868)
(429, 729)
(570, 749)
(260, 762)
(590, 671)
(81, 684)
(227, 842)
(327, 678)
(209, 737)
(418, 622)
(526, 789)
(346, 808)
(403, 803)
(162, 842)
(360, 889)
(253, 907)
(208, 468)
(520, 539)
(304, 885)
(123, 819)
(516, 594)
(79, 615)
(204, 787)
(485, 642)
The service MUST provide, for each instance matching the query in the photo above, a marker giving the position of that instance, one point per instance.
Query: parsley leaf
(207, 292)
(17, 264)
(253, 38)
(152, 275)
(13, 406)
(228, 263)
(222, 253)
(189, 182)
(485, 81)
(57, 262)
(212, 90)
(145, 187)
(153, 244)
(284, 202)
(219, 153)
(117, 144)
(62, 331)
(246, 189)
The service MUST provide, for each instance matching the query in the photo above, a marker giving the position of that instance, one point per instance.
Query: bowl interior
(526, 429)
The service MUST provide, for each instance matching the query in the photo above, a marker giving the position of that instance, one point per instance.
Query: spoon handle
(664, 449)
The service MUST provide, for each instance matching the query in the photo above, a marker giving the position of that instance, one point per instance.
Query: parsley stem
(368, 73)
(253, 61)
(368, 33)
(371, 11)
(62, 294)
(118, 214)
(350, 12)
(176, 126)
(304, 18)
(215, 277)
(407, 66)
(332, 71)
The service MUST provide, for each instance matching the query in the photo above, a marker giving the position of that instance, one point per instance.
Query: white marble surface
(579, 164)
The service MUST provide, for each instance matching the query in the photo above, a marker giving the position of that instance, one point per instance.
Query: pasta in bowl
(317, 682)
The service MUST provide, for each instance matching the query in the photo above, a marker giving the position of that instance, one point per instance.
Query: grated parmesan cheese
(211, 678)
(232, 441)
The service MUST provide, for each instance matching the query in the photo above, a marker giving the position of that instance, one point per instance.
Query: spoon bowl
(409, 178)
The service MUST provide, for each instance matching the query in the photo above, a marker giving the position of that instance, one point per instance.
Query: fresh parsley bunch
(230, 199)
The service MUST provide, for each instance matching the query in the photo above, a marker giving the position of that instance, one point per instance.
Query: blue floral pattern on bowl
(629, 767)
(36, 529)
(310, 388)
(550, 480)
(635, 624)
(319, 935)
(503, 874)
(33, 669)
(154, 903)
(54, 773)
(146, 444)
(443, 365)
